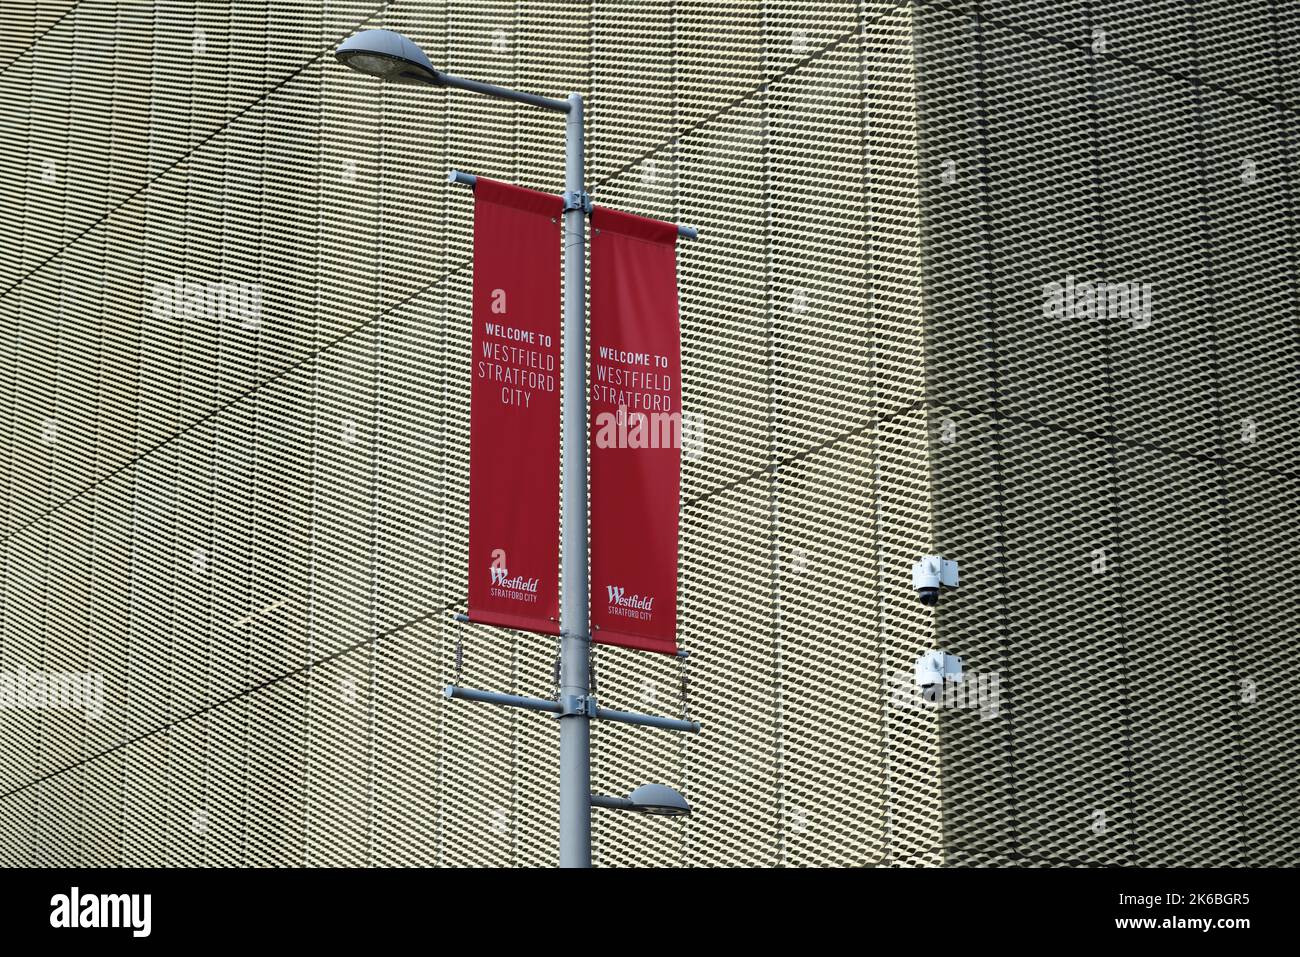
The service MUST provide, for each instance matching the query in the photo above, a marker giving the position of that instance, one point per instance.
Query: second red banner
(636, 431)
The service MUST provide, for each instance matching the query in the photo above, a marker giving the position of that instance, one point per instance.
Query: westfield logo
(501, 579)
(617, 596)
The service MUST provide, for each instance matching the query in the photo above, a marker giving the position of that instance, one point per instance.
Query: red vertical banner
(514, 427)
(636, 431)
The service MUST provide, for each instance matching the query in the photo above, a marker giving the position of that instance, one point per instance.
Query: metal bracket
(578, 704)
(576, 200)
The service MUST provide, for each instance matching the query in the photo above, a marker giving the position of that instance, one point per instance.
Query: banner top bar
(469, 179)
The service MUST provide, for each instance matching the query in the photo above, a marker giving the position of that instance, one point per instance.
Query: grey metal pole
(617, 804)
(647, 720)
(575, 628)
(495, 697)
(501, 92)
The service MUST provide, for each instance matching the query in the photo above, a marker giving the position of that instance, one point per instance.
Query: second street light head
(388, 55)
(658, 799)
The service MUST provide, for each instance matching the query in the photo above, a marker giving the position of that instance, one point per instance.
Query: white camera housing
(929, 573)
(935, 667)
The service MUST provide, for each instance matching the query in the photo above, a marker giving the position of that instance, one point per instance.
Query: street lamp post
(395, 58)
(575, 625)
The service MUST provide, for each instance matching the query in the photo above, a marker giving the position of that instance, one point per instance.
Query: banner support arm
(682, 654)
(469, 179)
(579, 704)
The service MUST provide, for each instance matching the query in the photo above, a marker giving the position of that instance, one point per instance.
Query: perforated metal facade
(1115, 485)
(254, 527)
(252, 523)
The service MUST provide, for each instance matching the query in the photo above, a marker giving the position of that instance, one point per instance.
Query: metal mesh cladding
(234, 358)
(1102, 473)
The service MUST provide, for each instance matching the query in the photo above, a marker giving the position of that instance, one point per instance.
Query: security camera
(934, 668)
(930, 572)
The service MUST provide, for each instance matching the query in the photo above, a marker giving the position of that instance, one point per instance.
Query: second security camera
(930, 573)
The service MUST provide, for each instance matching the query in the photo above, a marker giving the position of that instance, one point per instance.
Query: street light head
(659, 799)
(388, 55)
